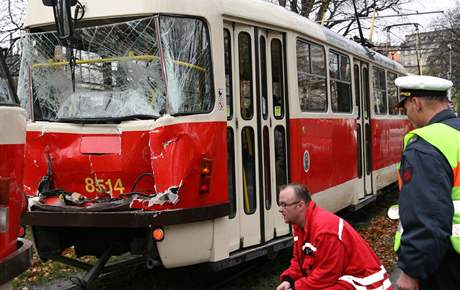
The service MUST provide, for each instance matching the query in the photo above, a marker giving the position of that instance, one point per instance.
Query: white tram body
(295, 101)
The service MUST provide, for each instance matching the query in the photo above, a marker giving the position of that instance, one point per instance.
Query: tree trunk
(293, 4)
(282, 3)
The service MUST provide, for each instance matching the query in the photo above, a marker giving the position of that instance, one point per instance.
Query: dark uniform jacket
(426, 212)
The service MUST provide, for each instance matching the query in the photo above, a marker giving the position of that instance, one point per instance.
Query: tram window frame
(380, 92)
(391, 86)
(315, 72)
(228, 67)
(340, 82)
(246, 85)
(277, 98)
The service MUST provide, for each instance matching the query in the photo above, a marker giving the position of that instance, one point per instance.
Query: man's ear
(418, 103)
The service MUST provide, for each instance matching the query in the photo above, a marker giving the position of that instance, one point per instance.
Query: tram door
(362, 91)
(272, 119)
(257, 120)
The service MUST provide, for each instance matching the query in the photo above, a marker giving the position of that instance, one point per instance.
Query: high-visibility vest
(447, 140)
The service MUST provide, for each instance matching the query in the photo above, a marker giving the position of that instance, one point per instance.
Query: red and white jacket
(329, 254)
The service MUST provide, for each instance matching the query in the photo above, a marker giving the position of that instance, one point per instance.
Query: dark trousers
(447, 277)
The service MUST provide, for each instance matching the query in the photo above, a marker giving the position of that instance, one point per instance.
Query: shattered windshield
(145, 67)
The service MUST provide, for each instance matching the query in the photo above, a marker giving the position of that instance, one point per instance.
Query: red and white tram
(15, 253)
(164, 128)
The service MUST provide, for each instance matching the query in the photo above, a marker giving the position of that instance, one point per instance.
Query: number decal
(119, 186)
(89, 184)
(103, 185)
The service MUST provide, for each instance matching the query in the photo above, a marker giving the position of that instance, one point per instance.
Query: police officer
(428, 240)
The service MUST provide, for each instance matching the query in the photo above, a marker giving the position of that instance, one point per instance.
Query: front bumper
(124, 219)
(16, 263)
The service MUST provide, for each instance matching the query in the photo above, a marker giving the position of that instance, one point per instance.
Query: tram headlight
(158, 234)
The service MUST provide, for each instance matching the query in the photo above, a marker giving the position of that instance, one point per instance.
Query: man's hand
(406, 282)
(285, 285)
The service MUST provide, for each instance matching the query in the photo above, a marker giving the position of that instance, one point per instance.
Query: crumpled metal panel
(171, 153)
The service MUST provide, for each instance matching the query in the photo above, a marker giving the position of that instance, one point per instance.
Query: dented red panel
(171, 153)
(11, 160)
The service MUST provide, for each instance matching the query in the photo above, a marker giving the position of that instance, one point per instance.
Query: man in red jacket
(328, 253)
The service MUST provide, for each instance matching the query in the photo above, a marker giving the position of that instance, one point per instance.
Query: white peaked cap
(427, 83)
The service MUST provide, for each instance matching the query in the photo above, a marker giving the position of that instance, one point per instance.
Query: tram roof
(258, 11)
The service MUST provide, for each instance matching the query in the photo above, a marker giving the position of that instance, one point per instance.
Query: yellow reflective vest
(447, 140)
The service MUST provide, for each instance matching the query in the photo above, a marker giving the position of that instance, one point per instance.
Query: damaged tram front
(125, 142)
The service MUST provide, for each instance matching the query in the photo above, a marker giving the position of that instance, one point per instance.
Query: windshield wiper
(106, 120)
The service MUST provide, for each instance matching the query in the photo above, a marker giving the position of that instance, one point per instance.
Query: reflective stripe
(455, 230)
(455, 193)
(310, 246)
(386, 284)
(457, 206)
(366, 281)
(340, 228)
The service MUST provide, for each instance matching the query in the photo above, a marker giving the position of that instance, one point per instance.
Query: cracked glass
(142, 68)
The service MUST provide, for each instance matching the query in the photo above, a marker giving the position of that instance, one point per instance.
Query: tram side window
(263, 76)
(249, 170)
(392, 94)
(228, 73)
(5, 96)
(380, 92)
(340, 79)
(277, 78)
(311, 73)
(231, 171)
(245, 65)
(280, 157)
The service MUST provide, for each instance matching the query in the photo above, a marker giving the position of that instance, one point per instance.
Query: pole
(363, 42)
(417, 50)
(450, 60)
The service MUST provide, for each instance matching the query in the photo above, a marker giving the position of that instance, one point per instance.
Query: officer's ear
(419, 102)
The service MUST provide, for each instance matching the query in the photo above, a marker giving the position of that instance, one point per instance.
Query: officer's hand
(285, 285)
(406, 282)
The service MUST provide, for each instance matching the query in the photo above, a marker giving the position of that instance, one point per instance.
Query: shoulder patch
(407, 174)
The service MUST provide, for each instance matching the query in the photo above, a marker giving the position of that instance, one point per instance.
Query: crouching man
(328, 253)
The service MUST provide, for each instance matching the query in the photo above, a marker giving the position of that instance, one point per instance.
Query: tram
(15, 253)
(164, 129)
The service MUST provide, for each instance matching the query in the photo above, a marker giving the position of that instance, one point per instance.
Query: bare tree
(339, 14)
(444, 57)
(11, 21)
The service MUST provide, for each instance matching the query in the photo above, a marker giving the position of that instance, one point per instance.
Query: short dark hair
(300, 190)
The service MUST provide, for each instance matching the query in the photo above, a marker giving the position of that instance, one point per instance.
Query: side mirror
(62, 16)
